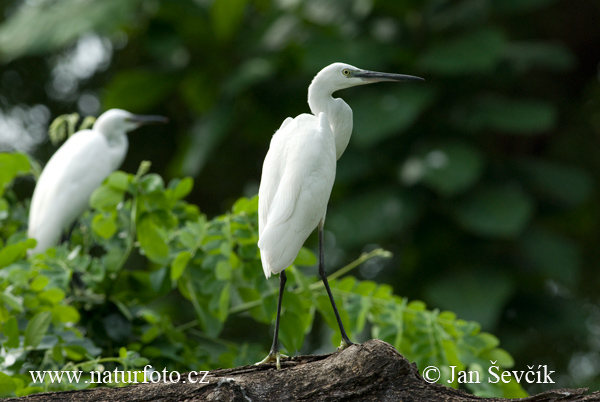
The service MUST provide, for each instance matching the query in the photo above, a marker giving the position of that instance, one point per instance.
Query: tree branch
(372, 371)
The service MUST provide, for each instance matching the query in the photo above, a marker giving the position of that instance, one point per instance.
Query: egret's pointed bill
(148, 119)
(374, 76)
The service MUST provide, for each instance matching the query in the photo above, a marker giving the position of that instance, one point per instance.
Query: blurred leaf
(376, 120)
(568, 185)
(118, 180)
(181, 188)
(206, 135)
(105, 198)
(151, 239)
(542, 55)
(473, 52)
(179, 264)
(449, 168)
(8, 385)
(502, 212)
(13, 252)
(104, 226)
(513, 116)
(39, 283)
(226, 17)
(37, 328)
(34, 24)
(371, 216)
(65, 313)
(305, 257)
(483, 294)
(12, 165)
(553, 255)
(138, 90)
(152, 183)
(11, 331)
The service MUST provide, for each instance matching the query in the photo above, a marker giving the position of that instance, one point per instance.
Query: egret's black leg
(275, 345)
(345, 340)
(274, 354)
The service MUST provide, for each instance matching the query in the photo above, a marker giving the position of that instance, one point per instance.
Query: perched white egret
(79, 166)
(298, 175)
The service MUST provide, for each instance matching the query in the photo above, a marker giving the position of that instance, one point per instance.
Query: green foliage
(74, 17)
(122, 316)
(66, 125)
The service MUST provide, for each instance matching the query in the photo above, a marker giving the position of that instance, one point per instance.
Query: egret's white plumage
(299, 169)
(78, 167)
(298, 175)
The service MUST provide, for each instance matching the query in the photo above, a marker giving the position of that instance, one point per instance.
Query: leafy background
(482, 181)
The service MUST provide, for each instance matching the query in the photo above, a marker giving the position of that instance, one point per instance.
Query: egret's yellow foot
(272, 357)
(344, 345)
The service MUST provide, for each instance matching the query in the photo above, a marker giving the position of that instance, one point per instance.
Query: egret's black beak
(374, 76)
(148, 119)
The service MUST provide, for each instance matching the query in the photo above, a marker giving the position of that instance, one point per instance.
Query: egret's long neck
(338, 113)
(118, 144)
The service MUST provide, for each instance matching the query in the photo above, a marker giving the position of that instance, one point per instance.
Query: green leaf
(518, 116)
(223, 270)
(179, 264)
(39, 283)
(152, 240)
(152, 183)
(7, 385)
(11, 331)
(499, 211)
(106, 198)
(10, 300)
(224, 298)
(36, 328)
(65, 314)
(11, 165)
(53, 296)
(475, 52)
(246, 205)
(118, 180)
(226, 16)
(104, 225)
(14, 252)
(182, 188)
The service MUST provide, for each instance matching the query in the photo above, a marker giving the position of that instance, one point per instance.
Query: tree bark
(372, 371)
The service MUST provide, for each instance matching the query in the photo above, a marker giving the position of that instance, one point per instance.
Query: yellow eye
(346, 72)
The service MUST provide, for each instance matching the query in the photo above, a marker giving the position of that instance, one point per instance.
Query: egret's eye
(346, 72)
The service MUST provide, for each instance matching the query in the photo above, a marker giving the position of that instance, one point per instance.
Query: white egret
(79, 166)
(298, 175)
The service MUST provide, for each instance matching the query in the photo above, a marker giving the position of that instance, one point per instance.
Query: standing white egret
(79, 166)
(298, 175)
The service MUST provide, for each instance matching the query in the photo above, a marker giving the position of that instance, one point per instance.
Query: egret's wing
(271, 173)
(63, 190)
(298, 175)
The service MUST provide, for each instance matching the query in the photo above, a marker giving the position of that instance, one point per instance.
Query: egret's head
(121, 121)
(338, 76)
